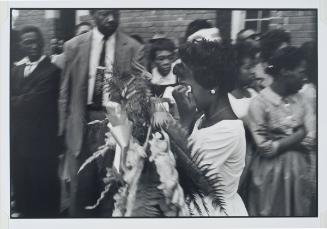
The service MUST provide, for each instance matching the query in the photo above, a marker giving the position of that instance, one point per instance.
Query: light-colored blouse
(223, 146)
(241, 106)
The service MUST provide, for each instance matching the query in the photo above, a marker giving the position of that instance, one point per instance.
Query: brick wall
(172, 22)
(37, 18)
(301, 24)
(146, 23)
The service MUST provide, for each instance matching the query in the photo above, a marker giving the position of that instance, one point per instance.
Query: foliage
(195, 178)
(159, 177)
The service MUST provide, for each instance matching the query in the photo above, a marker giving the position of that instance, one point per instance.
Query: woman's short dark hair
(196, 25)
(245, 50)
(286, 58)
(271, 41)
(213, 64)
(31, 28)
(160, 45)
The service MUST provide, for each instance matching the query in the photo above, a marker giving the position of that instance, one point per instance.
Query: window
(258, 20)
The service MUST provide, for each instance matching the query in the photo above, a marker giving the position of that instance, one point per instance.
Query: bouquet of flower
(151, 154)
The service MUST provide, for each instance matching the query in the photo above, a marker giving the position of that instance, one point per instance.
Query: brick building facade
(302, 24)
(146, 23)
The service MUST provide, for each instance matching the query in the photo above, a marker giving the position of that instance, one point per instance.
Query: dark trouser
(35, 183)
(88, 184)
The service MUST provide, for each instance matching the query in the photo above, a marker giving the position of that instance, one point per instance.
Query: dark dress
(33, 137)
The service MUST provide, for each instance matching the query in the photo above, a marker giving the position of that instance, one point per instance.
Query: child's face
(247, 73)
(163, 61)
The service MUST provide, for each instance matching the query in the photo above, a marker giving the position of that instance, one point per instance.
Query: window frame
(239, 20)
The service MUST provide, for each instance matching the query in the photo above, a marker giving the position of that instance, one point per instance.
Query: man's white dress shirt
(30, 66)
(96, 48)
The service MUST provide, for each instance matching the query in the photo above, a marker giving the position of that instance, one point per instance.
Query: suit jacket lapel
(120, 52)
(39, 68)
(20, 72)
(85, 52)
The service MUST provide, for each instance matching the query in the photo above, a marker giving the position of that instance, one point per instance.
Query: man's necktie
(98, 85)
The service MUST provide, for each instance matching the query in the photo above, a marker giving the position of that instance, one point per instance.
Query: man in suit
(82, 99)
(34, 89)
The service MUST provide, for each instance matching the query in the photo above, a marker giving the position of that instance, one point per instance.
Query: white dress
(241, 106)
(224, 147)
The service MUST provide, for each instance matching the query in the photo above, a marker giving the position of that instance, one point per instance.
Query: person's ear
(284, 72)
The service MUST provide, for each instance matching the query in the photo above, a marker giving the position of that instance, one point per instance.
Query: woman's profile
(206, 74)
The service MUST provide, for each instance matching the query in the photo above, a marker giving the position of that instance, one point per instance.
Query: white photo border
(6, 222)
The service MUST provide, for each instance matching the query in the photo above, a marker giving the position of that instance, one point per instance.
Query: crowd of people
(249, 106)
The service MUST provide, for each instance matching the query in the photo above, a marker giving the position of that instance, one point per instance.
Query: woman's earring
(189, 89)
(212, 91)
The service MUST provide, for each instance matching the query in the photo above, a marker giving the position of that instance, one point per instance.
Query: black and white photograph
(163, 113)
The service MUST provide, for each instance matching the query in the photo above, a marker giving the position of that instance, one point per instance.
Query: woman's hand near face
(185, 104)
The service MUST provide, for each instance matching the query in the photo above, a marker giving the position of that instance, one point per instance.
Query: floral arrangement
(153, 170)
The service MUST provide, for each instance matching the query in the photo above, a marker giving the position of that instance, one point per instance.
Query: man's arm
(138, 64)
(64, 93)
